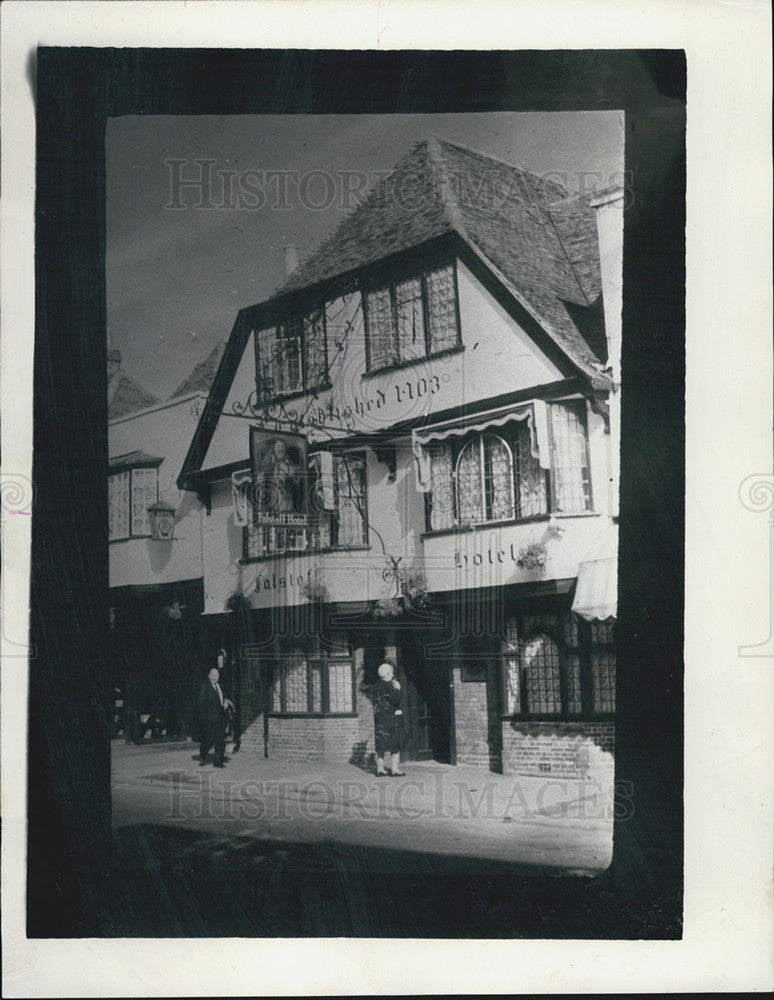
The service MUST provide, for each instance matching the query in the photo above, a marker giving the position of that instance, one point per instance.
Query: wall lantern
(162, 521)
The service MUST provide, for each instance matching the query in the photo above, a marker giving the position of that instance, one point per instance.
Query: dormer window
(291, 358)
(412, 319)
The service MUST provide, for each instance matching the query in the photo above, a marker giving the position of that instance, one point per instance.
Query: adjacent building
(155, 569)
(410, 452)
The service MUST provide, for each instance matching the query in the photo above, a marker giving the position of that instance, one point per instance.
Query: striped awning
(533, 411)
(596, 593)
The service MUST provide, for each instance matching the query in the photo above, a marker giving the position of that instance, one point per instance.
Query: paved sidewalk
(547, 823)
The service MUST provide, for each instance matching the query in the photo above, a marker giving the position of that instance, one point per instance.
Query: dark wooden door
(417, 720)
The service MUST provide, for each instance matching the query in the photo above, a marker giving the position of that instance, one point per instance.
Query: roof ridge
(567, 256)
(446, 190)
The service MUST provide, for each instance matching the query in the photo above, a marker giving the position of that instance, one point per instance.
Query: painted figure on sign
(281, 479)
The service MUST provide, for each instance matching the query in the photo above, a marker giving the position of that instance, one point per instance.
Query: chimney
(113, 362)
(291, 259)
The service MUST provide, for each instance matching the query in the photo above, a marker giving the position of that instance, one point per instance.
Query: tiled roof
(201, 378)
(134, 458)
(127, 396)
(539, 239)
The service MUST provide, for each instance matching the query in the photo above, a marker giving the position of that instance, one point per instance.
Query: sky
(183, 260)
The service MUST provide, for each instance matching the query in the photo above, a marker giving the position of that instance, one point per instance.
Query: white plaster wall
(498, 358)
(164, 430)
(395, 511)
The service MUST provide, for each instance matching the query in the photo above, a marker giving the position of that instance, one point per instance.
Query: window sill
(464, 529)
(288, 553)
(413, 362)
(129, 538)
(312, 715)
(290, 396)
(569, 719)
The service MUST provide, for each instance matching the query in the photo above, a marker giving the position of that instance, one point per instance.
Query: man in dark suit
(212, 714)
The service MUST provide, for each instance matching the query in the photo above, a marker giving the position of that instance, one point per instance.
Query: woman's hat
(385, 670)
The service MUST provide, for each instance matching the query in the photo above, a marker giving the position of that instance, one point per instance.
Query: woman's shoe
(397, 774)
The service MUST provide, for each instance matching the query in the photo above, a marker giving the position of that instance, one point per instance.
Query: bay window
(495, 475)
(411, 319)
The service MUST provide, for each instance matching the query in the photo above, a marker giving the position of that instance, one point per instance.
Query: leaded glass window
(555, 666)
(130, 493)
(381, 335)
(292, 357)
(485, 481)
(412, 318)
(441, 309)
(494, 477)
(441, 486)
(118, 505)
(340, 685)
(350, 501)
(315, 352)
(569, 464)
(315, 680)
(144, 493)
(603, 666)
(531, 489)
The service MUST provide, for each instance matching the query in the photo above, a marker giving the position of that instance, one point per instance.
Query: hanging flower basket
(314, 590)
(388, 608)
(410, 591)
(533, 557)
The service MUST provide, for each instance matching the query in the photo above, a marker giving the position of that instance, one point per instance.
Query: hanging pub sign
(278, 463)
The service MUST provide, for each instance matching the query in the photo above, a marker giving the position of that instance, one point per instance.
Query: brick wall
(561, 749)
(333, 741)
(475, 747)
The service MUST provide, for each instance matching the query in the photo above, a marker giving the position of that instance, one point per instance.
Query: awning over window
(596, 593)
(534, 412)
(133, 459)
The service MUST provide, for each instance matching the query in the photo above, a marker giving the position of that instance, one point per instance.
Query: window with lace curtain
(570, 480)
(318, 679)
(496, 476)
(411, 319)
(554, 666)
(485, 478)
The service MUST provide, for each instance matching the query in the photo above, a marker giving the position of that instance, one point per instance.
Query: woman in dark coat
(388, 721)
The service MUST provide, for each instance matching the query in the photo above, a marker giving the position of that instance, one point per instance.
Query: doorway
(425, 700)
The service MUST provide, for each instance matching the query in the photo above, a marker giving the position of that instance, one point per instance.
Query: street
(272, 848)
